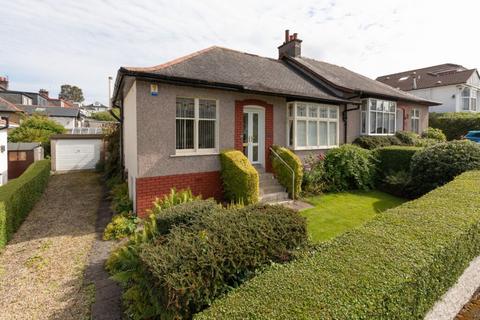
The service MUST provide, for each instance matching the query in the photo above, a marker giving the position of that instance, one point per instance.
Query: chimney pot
(295, 36)
(287, 35)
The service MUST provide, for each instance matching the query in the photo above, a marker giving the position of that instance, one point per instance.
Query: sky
(47, 43)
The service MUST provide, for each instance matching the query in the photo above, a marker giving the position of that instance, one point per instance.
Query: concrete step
(274, 197)
(259, 168)
(269, 183)
(271, 189)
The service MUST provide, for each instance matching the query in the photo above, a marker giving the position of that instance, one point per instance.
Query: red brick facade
(207, 184)
(238, 142)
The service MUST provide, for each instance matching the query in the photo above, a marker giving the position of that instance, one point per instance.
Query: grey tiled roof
(248, 71)
(347, 79)
(7, 106)
(51, 111)
(435, 76)
(22, 146)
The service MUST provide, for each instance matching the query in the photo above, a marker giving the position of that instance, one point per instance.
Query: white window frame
(366, 109)
(472, 99)
(196, 150)
(415, 117)
(295, 118)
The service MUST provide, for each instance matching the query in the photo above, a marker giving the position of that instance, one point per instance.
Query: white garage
(76, 151)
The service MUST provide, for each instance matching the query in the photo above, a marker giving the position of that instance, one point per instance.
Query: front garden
(362, 252)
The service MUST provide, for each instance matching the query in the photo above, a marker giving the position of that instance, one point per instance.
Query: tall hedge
(455, 124)
(19, 196)
(283, 174)
(394, 159)
(240, 179)
(395, 267)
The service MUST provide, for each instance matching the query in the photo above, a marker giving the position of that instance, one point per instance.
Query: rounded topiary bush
(440, 163)
(434, 133)
(408, 138)
(350, 167)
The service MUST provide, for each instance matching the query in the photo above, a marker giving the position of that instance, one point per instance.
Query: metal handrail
(291, 170)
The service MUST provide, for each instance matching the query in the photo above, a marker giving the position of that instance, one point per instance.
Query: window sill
(193, 154)
(312, 148)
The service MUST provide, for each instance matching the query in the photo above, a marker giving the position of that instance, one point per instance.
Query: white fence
(85, 130)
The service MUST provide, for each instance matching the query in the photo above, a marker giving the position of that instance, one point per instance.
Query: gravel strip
(458, 295)
(41, 269)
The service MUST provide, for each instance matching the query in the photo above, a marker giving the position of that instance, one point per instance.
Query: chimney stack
(3, 83)
(43, 93)
(291, 47)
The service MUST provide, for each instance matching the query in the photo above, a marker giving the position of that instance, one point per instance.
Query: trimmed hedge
(374, 142)
(455, 124)
(283, 174)
(240, 179)
(183, 272)
(19, 196)
(408, 138)
(395, 158)
(395, 267)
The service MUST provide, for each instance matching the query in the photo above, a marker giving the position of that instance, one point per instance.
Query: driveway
(42, 267)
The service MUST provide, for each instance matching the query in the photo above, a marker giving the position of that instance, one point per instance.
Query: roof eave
(383, 96)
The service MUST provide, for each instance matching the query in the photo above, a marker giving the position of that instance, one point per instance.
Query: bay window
(378, 117)
(196, 125)
(469, 99)
(312, 125)
(415, 120)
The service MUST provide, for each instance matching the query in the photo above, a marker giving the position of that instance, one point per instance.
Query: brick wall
(238, 142)
(207, 184)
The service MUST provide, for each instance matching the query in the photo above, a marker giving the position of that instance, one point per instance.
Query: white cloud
(44, 44)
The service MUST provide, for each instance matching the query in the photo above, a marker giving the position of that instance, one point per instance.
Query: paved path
(47, 268)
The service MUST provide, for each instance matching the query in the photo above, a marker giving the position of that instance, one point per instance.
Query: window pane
(392, 107)
(245, 128)
(373, 121)
(301, 133)
(379, 128)
(391, 126)
(206, 134)
(364, 122)
(22, 156)
(323, 112)
(255, 128)
(465, 103)
(332, 133)
(323, 135)
(185, 108)
(207, 109)
(466, 92)
(290, 132)
(373, 104)
(301, 110)
(184, 134)
(312, 111)
(333, 113)
(254, 153)
(385, 123)
(12, 156)
(290, 110)
(312, 133)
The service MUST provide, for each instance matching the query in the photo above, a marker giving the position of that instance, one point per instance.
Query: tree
(36, 128)
(71, 93)
(105, 115)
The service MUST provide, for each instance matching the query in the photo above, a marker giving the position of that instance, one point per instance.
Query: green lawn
(336, 213)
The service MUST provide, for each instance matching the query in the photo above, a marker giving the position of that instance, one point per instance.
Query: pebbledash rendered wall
(158, 169)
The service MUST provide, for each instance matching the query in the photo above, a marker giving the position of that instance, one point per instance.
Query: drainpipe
(345, 121)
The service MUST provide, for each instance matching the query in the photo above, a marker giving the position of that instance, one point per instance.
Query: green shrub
(438, 164)
(426, 142)
(350, 167)
(434, 133)
(397, 183)
(182, 273)
(455, 124)
(120, 200)
(104, 116)
(240, 179)
(314, 181)
(283, 174)
(172, 199)
(394, 159)
(19, 196)
(408, 138)
(122, 225)
(374, 142)
(395, 267)
(113, 163)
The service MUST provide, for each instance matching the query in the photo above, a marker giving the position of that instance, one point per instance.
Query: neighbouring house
(21, 155)
(10, 111)
(457, 88)
(89, 109)
(179, 115)
(67, 117)
(3, 83)
(3, 151)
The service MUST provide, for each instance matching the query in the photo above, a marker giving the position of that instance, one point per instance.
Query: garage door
(77, 154)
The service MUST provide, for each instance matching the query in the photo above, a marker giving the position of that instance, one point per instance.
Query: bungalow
(178, 116)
